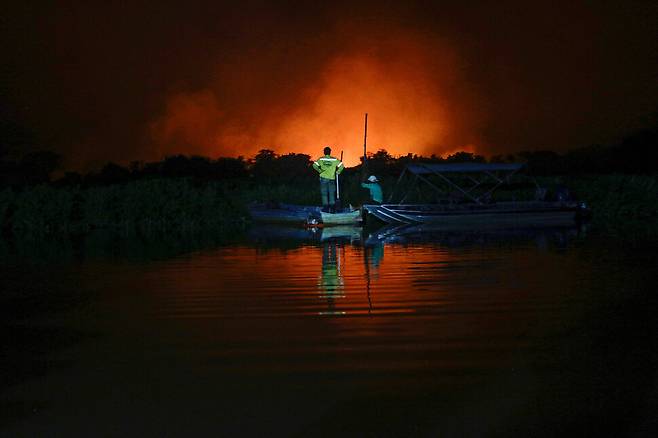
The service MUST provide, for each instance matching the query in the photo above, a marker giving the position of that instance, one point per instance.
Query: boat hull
(503, 215)
(301, 215)
(347, 218)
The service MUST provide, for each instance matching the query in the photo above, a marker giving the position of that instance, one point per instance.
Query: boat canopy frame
(476, 173)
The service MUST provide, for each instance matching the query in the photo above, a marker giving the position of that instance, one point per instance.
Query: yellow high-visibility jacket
(328, 167)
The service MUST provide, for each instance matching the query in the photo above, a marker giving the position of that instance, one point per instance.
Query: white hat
(372, 178)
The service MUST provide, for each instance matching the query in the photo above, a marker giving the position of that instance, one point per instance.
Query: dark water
(301, 333)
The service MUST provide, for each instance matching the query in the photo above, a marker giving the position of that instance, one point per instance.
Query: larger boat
(463, 195)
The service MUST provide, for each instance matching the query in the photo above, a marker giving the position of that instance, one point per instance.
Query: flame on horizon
(411, 90)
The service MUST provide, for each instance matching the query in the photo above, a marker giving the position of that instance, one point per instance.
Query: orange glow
(404, 115)
(304, 271)
(410, 88)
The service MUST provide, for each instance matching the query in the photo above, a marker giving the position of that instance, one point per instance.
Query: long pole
(337, 184)
(364, 167)
(365, 139)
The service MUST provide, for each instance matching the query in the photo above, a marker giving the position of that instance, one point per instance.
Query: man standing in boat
(328, 167)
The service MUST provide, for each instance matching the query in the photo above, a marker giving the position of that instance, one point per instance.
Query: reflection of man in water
(331, 281)
(372, 257)
(376, 255)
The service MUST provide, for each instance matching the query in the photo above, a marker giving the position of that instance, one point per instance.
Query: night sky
(123, 81)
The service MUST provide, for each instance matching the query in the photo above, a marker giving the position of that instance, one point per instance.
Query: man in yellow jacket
(328, 167)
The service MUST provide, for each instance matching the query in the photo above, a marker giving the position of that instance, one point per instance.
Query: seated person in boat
(328, 167)
(376, 194)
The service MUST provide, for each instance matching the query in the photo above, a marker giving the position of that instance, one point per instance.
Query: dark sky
(125, 81)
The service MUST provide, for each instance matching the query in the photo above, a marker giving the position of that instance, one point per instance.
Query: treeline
(636, 154)
(199, 193)
(267, 166)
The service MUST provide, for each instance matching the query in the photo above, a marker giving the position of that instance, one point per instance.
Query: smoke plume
(410, 87)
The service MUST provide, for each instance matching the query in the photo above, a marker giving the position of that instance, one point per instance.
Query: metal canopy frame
(500, 173)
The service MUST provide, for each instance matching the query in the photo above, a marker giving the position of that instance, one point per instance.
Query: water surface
(323, 333)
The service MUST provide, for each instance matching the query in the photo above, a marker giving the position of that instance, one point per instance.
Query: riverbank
(149, 205)
(623, 205)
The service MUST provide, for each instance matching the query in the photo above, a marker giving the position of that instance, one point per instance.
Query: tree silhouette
(291, 167)
(112, 173)
(229, 168)
(262, 166)
(543, 162)
(176, 166)
(465, 157)
(36, 167)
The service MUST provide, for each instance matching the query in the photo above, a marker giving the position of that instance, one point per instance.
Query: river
(335, 332)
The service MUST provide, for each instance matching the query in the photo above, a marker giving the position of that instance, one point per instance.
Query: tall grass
(303, 193)
(42, 208)
(138, 206)
(160, 204)
(618, 202)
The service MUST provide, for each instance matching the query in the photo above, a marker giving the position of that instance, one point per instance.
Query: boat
(466, 199)
(452, 238)
(265, 234)
(302, 215)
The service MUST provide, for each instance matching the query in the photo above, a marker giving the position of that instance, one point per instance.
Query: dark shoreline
(620, 204)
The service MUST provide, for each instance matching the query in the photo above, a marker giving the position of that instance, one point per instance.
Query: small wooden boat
(475, 206)
(264, 234)
(301, 215)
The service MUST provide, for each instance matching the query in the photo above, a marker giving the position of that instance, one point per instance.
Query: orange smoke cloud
(194, 124)
(192, 121)
(411, 88)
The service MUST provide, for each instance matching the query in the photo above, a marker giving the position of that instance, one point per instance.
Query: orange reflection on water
(311, 305)
(331, 278)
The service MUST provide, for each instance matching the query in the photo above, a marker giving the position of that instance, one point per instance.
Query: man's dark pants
(328, 192)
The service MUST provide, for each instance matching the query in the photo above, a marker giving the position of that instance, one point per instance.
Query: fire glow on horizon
(231, 78)
(411, 90)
